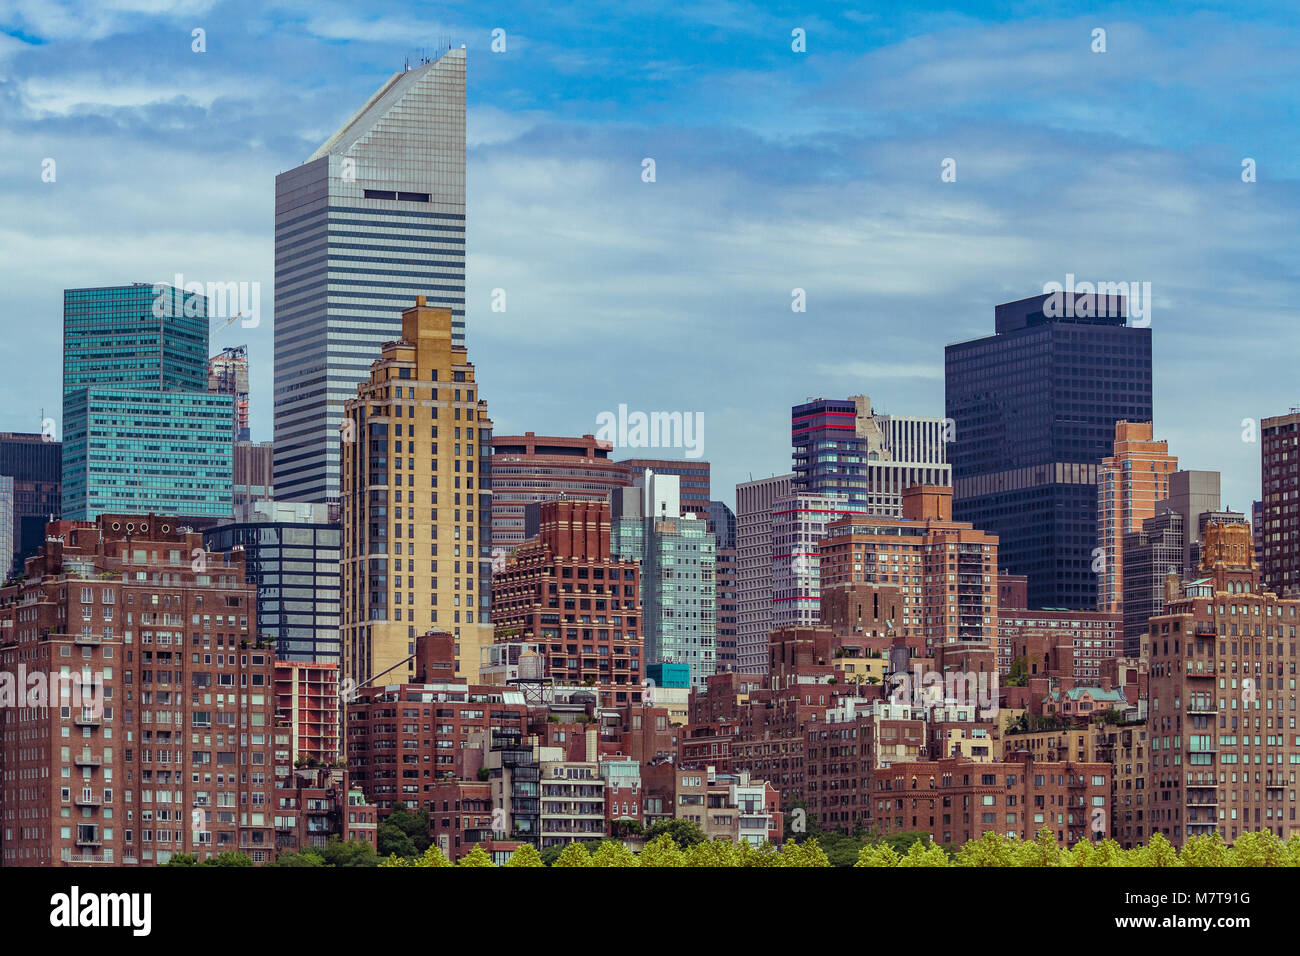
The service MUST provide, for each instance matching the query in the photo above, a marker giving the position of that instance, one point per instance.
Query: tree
(551, 854)
(1206, 850)
(228, 858)
(924, 854)
(182, 859)
(662, 851)
(991, 849)
(309, 857)
(1158, 852)
(877, 854)
(432, 857)
(476, 857)
(806, 854)
(613, 853)
(1041, 851)
(526, 855)
(684, 833)
(575, 854)
(716, 853)
(404, 832)
(1018, 675)
(351, 853)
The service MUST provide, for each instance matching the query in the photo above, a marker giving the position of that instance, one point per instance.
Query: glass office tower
(1034, 408)
(141, 432)
(292, 553)
(372, 220)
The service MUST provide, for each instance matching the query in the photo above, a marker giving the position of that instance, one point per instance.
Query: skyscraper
(754, 500)
(291, 553)
(842, 446)
(1132, 479)
(528, 468)
(417, 523)
(142, 433)
(34, 463)
(372, 219)
(1034, 408)
(799, 522)
(649, 524)
(1280, 510)
(694, 475)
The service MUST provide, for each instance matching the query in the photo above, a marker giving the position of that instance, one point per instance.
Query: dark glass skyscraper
(33, 461)
(1034, 408)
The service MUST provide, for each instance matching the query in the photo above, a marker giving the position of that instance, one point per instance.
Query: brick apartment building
(177, 756)
(843, 749)
(1123, 746)
(403, 739)
(313, 806)
(955, 800)
(566, 593)
(307, 705)
(947, 570)
(1223, 739)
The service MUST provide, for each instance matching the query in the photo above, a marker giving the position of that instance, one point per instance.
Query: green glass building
(141, 431)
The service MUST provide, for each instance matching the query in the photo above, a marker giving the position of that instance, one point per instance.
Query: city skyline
(858, 185)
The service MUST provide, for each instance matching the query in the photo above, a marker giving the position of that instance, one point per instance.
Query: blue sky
(775, 170)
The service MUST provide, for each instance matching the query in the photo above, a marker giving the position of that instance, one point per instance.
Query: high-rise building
(842, 446)
(372, 219)
(6, 526)
(528, 468)
(722, 522)
(1280, 480)
(754, 500)
(799, 522)
(725, 640)
(141, 430)
(1193, 494)
(1131, 480)
(254, 472)
(694, 475)
(1220, 758)
(677, 554)
(291, 554)
(1033, 411)
(565, 592)
(1151, 554)
(1257, 531)
(417, 520)
(228, 375)
(34, 462)
(165, 744)
(947, 569)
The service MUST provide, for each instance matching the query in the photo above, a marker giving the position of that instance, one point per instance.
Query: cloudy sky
(775, 170)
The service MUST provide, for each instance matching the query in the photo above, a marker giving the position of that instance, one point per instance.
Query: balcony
(89, 839)
(89, 801)
(88, 720)
(87, 759)
(87, 639)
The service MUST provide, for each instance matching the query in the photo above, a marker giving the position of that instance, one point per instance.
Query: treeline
(1250, 850)
(1263, 849)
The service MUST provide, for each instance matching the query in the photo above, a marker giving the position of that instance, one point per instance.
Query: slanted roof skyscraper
(372, 219)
